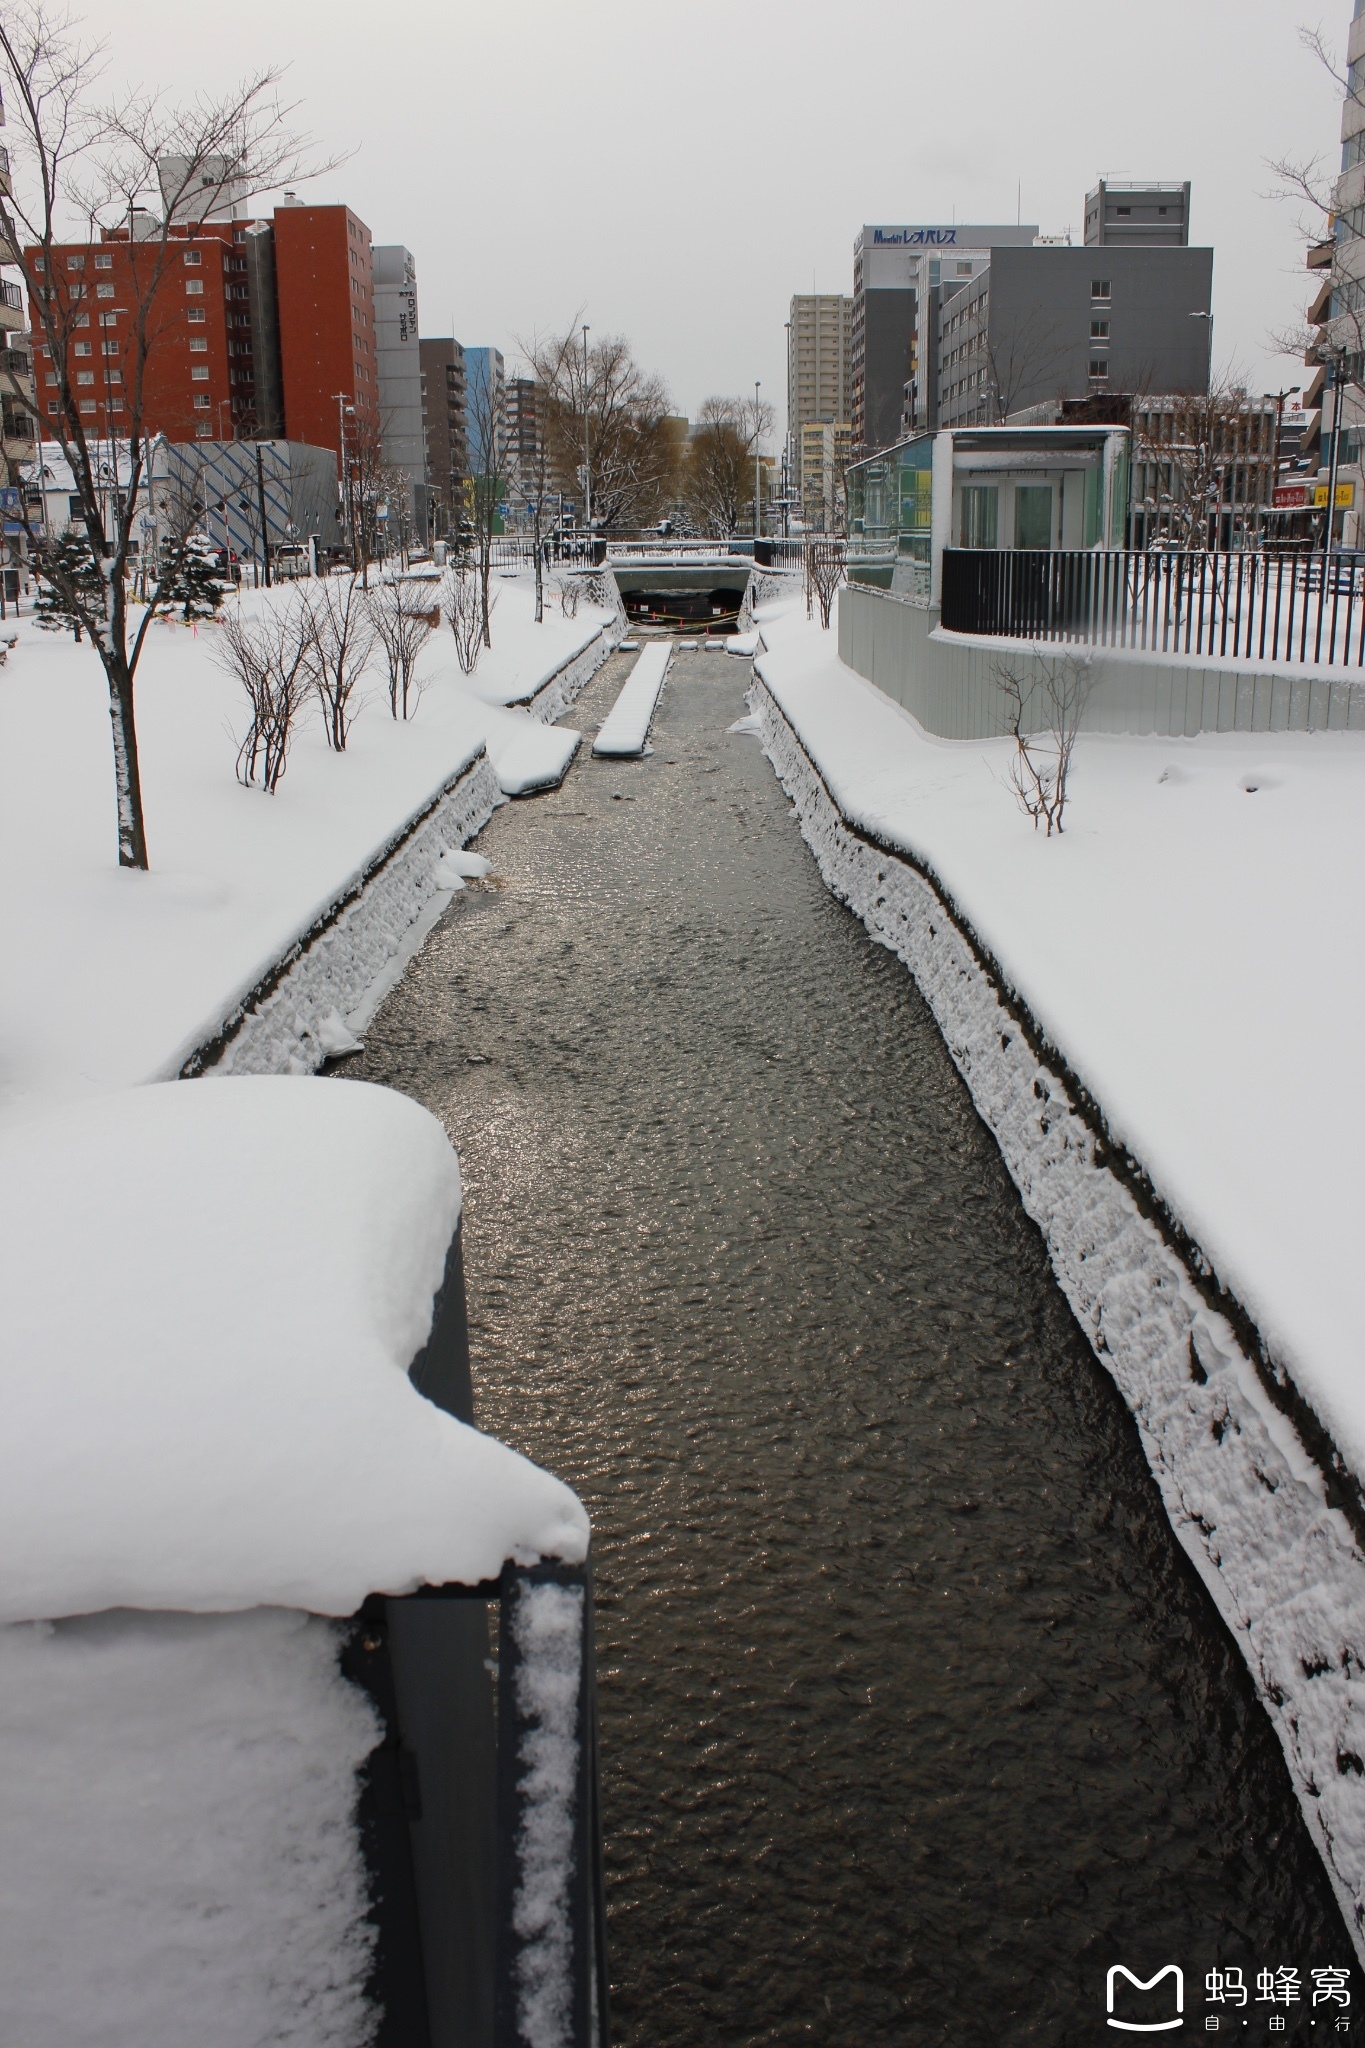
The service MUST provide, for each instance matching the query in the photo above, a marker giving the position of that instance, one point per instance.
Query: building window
(52, 405)
(197, 316)
(87, 405)
(1099, 367)
(194, 256)
(195, 286)
(85, 376)
(75, 262)
(1124, 212)
(201, 401)
(109, 348)
(82, 320)
(104, 263)
(199, 345)
(104, 291)
(108, 319)
(1099, 290)
(1099, 330)
(82, 348)
(200, 373)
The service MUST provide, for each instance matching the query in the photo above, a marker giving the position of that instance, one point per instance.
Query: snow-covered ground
(213, 1292)
(1194, 946)
(114, 977)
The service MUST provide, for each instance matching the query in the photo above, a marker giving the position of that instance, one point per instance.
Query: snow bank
(213, 1294)
(525, 658)
(525, 753)
(177, 1796)
(626, 727)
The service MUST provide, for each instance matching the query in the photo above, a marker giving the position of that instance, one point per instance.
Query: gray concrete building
(1053, 322)
(894, 271)
(1122, 213)
(445, 428)
(398, 366)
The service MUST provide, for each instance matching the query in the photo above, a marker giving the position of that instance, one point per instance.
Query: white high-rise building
(399, 370)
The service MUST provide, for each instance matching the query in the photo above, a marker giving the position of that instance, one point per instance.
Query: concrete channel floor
(914, 1716)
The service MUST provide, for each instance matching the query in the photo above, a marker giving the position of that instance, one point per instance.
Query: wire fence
(1257, 606)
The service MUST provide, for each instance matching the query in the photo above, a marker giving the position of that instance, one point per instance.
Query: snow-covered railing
(1261, 607)
(532, 1881)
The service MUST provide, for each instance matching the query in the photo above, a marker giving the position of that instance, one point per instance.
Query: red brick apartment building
(255, 328)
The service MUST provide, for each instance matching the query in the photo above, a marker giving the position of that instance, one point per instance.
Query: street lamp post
(587, 472)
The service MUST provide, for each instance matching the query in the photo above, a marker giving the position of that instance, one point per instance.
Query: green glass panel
(1033, 516)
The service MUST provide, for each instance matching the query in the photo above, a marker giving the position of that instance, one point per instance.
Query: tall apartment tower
(398, 362)
(325, 281)
(1123, 213)
(523, 433)
(485, 406)
(444, 429)
(819, 362)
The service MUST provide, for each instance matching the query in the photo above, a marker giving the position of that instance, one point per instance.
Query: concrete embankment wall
(281, 1026)
(950, 683)
(1267, 1516)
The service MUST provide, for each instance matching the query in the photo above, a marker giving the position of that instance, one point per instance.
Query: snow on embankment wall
(295, 1016)
(1248, 1503)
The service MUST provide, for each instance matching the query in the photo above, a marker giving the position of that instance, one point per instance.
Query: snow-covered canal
(914, 1717)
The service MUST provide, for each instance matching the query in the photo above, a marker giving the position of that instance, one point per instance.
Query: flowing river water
(914, 1716)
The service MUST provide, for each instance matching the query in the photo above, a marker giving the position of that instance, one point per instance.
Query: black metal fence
(1263, 607)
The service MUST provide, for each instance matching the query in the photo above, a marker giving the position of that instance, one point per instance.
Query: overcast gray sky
(678, 168)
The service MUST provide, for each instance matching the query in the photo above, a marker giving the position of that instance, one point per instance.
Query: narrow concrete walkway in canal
(914, 1716)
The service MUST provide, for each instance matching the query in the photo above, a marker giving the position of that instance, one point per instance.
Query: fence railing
(11, 296)
(1262, 607)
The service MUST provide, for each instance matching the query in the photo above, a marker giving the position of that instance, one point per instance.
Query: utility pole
(587, 473)
(260, 498)
(1333, 367)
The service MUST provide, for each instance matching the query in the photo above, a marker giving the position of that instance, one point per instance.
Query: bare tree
(1022, 356)
(718, 470)
(269, 655)
(1040, 770)
(824, 574)
(631, 450)
(548, 360)
(401, 616)
(1193, 452)
(74, 157)
(341, 640)
(490, 464)
(462, 605)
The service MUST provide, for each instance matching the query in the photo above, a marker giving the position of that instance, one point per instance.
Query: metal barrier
(1261, 607)
(482, 1831)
